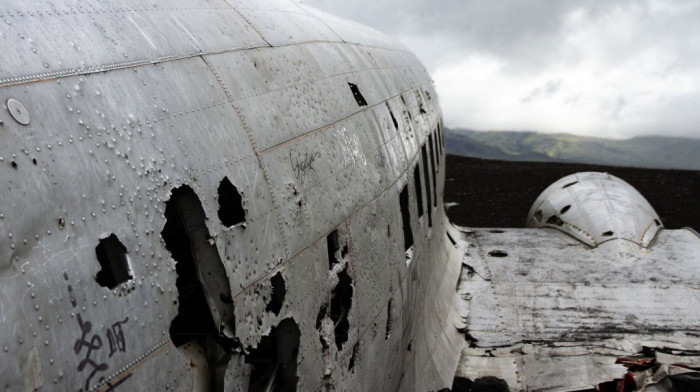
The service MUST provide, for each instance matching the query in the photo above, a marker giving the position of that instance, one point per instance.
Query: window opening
(393, 119)
(111, 254)
(231, 210)
(406, 218)
(358, 96)
(433, 164)
(419, 192)
(274, 361)
(426, 163)
(436, 148)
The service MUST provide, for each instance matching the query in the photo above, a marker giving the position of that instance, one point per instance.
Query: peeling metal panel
(539, 302)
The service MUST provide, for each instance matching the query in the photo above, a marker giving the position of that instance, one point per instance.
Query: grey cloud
(558, 41)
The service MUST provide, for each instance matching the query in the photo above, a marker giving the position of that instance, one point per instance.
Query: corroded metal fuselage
(214, 194)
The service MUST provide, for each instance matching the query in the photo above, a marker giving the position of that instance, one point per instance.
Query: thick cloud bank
(607, 68)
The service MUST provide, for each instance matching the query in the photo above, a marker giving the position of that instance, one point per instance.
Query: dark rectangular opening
(432, 162)
(419, 192)
(436, 147)
(393, 119)
(426, 176)
(358, 95)
(406, 218)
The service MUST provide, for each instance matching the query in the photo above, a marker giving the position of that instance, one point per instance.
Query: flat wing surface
(542, 311)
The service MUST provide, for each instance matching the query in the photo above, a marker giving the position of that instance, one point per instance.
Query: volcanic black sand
(494, 193)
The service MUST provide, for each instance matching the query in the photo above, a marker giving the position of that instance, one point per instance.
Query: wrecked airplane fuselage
(243, 195)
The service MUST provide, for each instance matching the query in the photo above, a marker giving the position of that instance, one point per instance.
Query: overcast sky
(607, 68)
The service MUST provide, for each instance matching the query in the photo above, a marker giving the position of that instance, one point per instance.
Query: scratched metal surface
(538, 302)
(128, 102)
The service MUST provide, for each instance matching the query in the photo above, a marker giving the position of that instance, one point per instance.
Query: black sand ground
(494, 193)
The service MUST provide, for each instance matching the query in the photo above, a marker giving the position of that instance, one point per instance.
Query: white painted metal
(600, 210)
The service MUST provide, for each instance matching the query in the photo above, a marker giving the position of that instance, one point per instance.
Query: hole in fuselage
(333, 244)
(406, 218)
(111, 254)
(555, 220)
(278, 293)
(498, 253)
(426, 177)
(358, 96)
(569, 184)
(566, 208)
(389, 315)
(341, 302)
(419, 190)
(393, 119)
(433, 165)
(193, 319)
(231, 210)
(197, 264)
(274, 360)
(608, 234)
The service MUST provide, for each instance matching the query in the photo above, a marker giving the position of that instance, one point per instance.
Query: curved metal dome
(597, 208)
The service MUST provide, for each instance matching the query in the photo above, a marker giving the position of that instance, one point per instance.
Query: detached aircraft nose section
(600, 210)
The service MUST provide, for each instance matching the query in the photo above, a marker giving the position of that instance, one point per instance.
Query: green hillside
(649, 151)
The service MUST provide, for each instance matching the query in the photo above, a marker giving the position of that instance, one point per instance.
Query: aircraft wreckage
(247, 195)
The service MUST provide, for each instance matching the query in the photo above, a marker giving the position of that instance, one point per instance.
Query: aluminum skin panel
(286, 26)
(546, 312)
(77, 37)
(129, 155)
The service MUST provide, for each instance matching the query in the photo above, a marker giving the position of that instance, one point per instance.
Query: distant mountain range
(648, 151)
